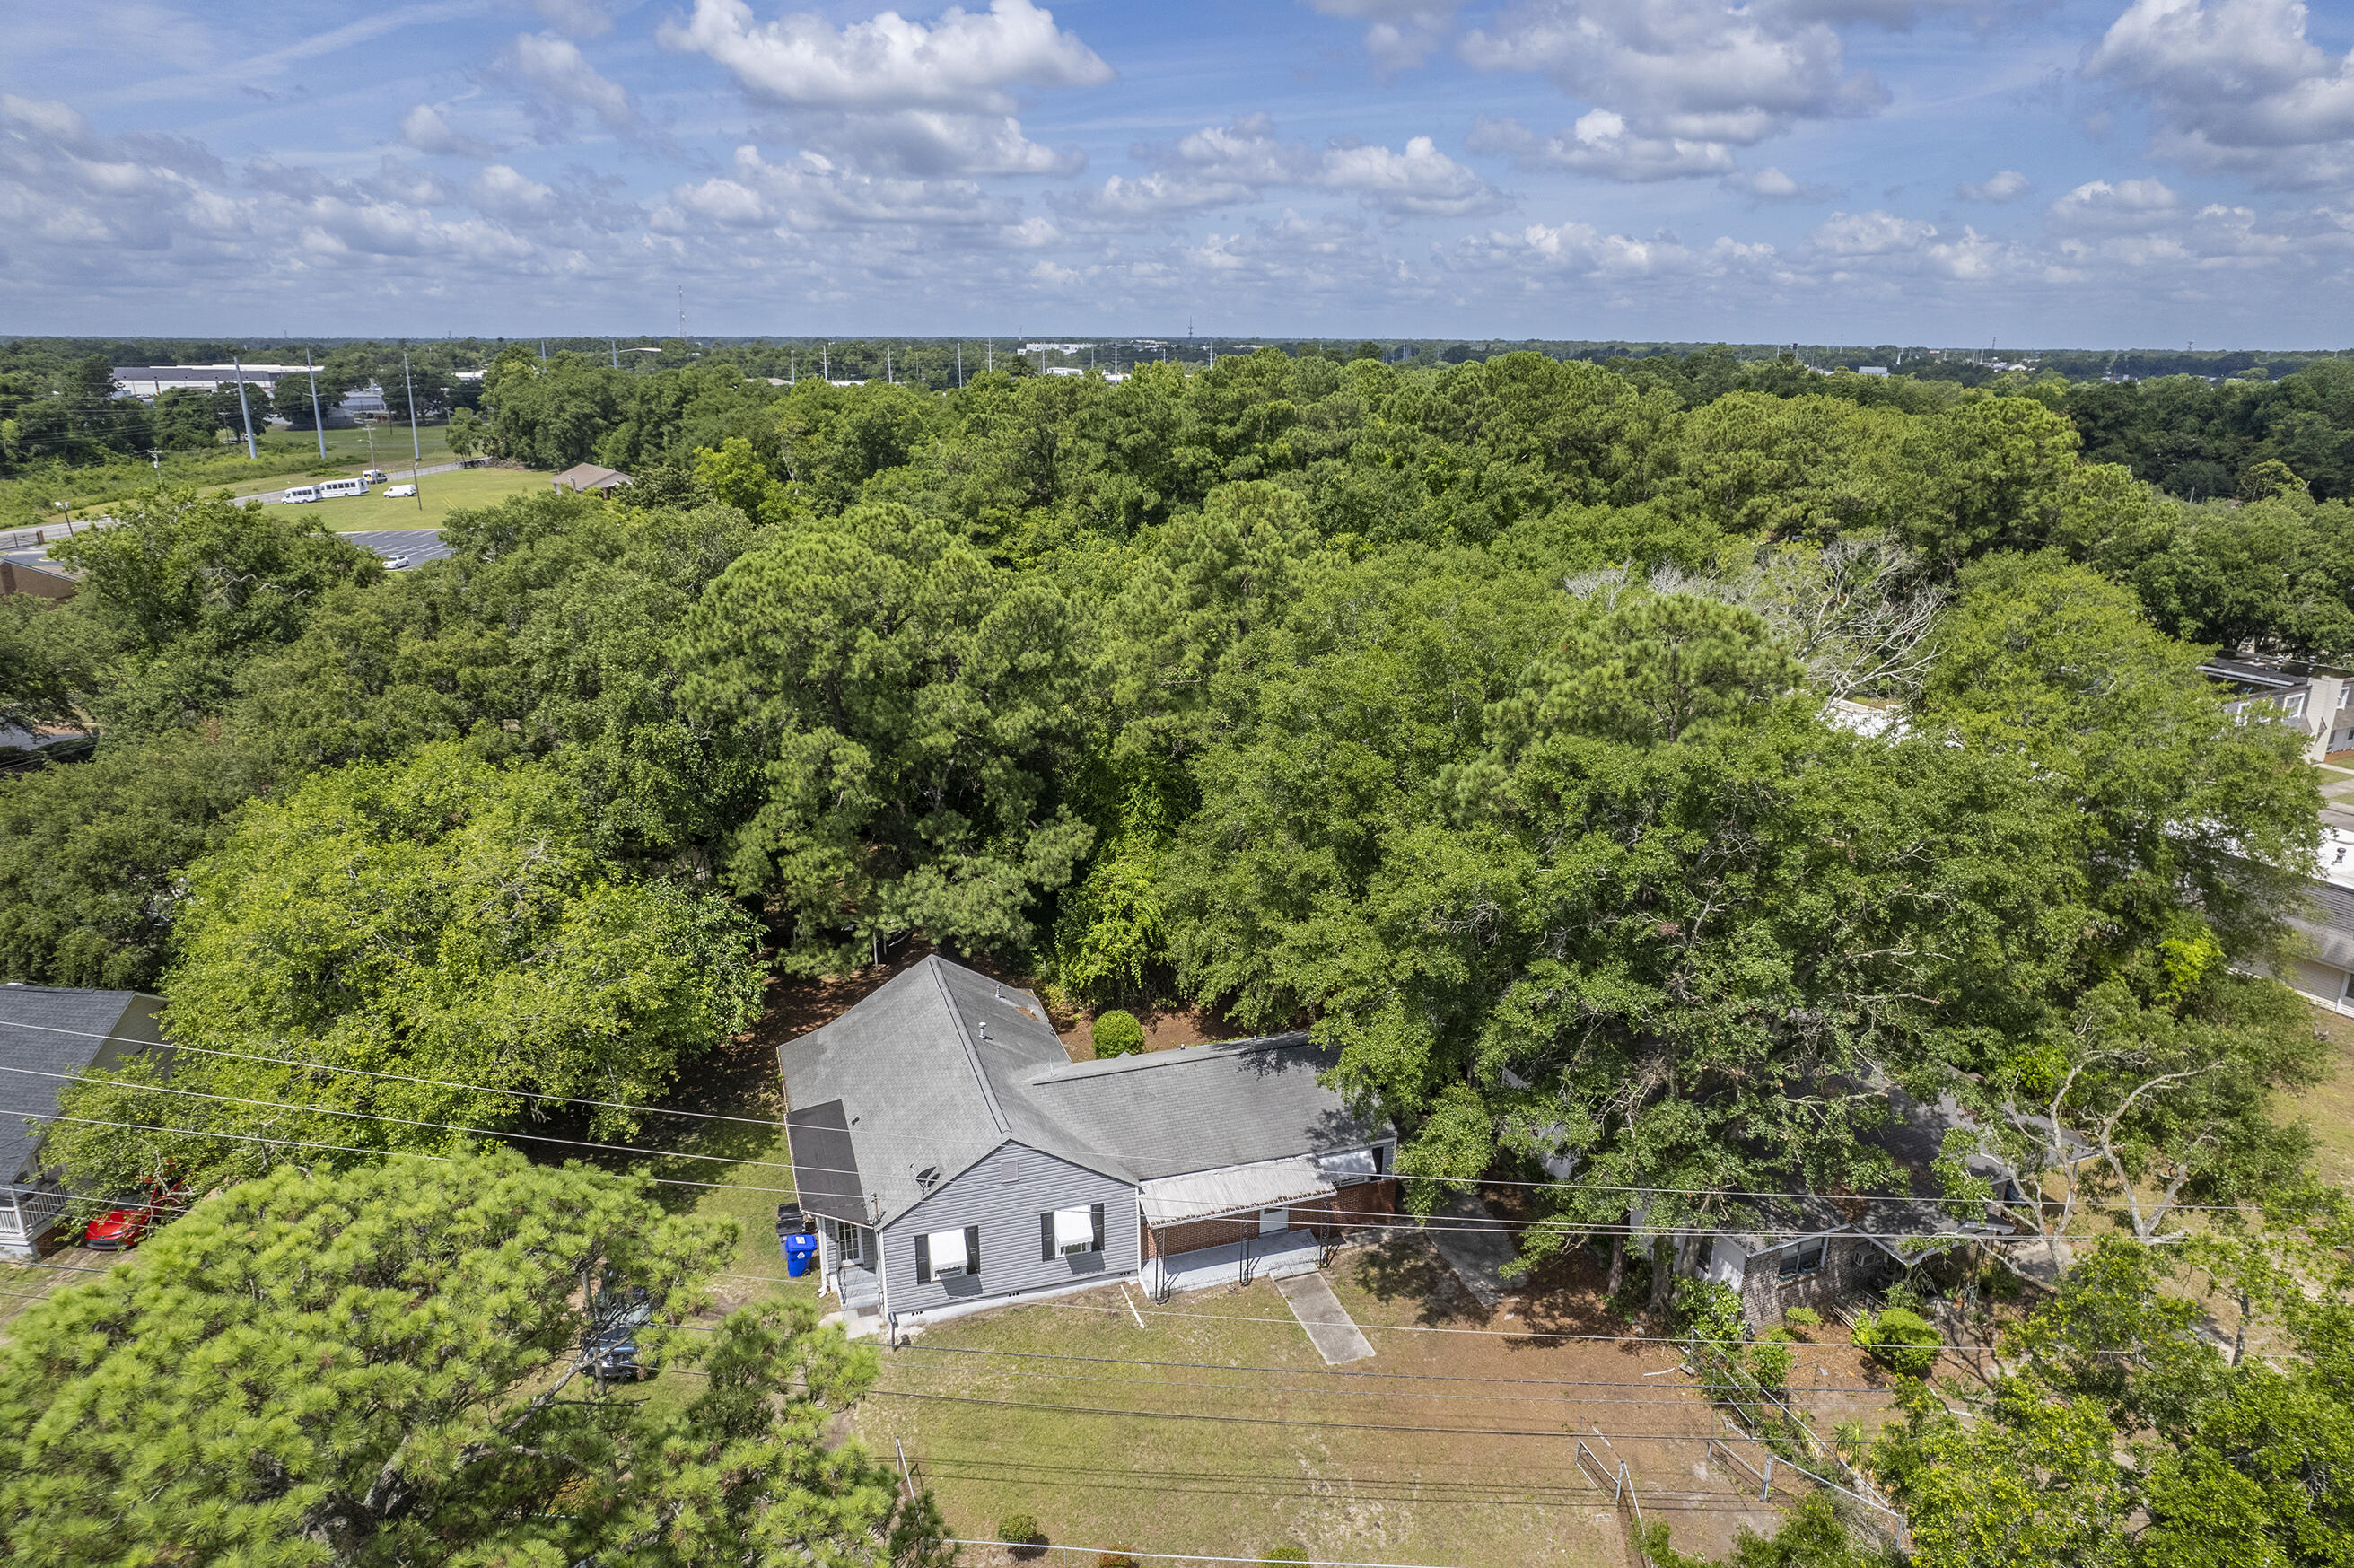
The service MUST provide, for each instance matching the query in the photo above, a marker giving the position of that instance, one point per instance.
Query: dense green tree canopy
(383, 1367)
(440, 920)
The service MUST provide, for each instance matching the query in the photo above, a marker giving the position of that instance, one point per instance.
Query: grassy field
(2328, 1107)
(282, 457)
(441, 494)
(1211, 1424)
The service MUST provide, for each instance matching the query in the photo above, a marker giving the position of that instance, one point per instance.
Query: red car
(127, 1224)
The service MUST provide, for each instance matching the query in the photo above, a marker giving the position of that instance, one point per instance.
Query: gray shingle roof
(941, 1066)
(57, 1029)
(1168, 1112)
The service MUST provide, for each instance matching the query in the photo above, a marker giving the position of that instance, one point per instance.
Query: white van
(398, 491)
(301, 493)
(335, 487)
(373, 476)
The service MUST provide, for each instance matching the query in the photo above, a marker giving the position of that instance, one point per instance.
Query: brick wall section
(1342, 1213)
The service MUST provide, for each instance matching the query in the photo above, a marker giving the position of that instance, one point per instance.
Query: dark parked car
(608, 1350)
(127, 1224)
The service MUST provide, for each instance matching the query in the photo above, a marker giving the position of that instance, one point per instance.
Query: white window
(853, 1239)
(2294, 706)
(948, 1255)
(1070, 1232)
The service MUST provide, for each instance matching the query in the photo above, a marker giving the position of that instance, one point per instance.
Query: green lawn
(2328, 1107)
(1315, 1459)
(441, 494)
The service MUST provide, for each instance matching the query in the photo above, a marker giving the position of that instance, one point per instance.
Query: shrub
(1116, 1560)
(1771, 1358)
(1803, 1317)
(1900, 1339)
(1022, 1530)
(1118, 1033)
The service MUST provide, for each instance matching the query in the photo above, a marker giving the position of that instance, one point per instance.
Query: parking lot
(417, 544)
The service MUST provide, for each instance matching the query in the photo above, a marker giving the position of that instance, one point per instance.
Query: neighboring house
(2324, 974)
(45, 1031)
(1813, 1251)
(957, 1158)
(588, 476)
(2315, 699)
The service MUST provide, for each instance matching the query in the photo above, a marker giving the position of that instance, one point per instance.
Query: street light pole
(415, 453)
(318, 422)
(243, 409)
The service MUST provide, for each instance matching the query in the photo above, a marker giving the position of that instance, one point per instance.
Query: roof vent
(928, 1178)
(984, 1026)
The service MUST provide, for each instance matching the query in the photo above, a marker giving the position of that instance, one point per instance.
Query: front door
(855, 1279)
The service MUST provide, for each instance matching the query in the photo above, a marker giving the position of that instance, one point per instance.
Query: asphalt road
(419, 545)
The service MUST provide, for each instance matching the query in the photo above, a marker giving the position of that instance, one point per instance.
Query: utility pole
(989, 354)
(244, 410)
(318, 420)
(793, 366)
(415, 453)
(959, 365)
(825, 362)
(888, 379)
(616, 352)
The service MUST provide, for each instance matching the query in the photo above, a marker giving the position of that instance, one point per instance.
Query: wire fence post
(906, 1482)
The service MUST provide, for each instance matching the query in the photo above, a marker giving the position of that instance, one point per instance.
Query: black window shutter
(1046, 1237)
(1096, 1216)
(972, 1250)
(923, 1259)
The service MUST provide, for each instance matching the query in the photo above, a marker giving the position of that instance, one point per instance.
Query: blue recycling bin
(800, 1251)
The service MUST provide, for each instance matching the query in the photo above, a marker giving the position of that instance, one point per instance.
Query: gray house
(1814, 1251)
(48, 1035)
(955, 1157)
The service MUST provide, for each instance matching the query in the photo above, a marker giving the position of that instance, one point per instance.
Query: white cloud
(424, 129)
(928, 142)
(1699, 71)
(2097, 204)
(1222, 165)
(811, 192)
(1398, 33)
(501, 190)
(965, 63)
(1601, 144)
(2235, 86)
(1770, 183)
(567, 81)
(1999, 186)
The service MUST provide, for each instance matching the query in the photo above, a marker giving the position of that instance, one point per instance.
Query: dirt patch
(1165, 1029)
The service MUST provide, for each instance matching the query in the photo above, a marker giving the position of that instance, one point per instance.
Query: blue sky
(2095, 173)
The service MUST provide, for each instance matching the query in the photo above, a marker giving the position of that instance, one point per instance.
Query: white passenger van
(373, 476)
(301, 493)
(335, 487)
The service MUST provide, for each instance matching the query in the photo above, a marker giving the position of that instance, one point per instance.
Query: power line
(1335, 1372)
(400, 1077)
(1164, 1556)
(1223, 1419)
(338, 1148)
(397, 1120)
(1695, 1393)
(1508, 1227)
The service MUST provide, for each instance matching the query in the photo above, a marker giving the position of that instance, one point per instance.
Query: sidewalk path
(1330, 1327)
